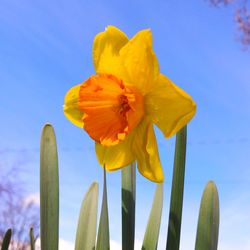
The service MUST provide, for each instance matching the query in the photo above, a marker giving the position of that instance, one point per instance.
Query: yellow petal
(70, 107)
(115, 157)
(140, 62)
(106, 49)
(169, 107)
(146, 151)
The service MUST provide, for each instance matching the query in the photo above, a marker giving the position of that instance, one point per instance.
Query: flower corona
(111, 108)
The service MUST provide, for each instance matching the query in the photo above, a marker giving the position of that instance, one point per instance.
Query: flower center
(111, 108)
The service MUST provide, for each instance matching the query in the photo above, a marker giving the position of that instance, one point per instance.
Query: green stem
(103, 230)
(175, 214)
(128, 207)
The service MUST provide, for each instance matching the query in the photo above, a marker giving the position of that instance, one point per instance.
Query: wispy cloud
(114, 245)
(32, 198)
(63, 244)
(69, 245)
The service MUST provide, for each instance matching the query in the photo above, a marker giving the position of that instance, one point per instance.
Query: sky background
(46, 48)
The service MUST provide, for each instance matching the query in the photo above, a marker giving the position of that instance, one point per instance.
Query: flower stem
(128, 207)
(175, 214)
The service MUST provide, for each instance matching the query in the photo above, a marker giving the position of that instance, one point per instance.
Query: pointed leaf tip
(103, 230)
(6, 240)
(208, 223)
(32, 239)
(86, 229)
(49, 189)
(151, 236)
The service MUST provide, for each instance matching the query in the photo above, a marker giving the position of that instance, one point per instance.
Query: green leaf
(49, 190)
(6, 240)
(86, 229)
(128, 207)
(103, 230)
(208, 224)
(32, 239)
(175, 213)
(151, 236)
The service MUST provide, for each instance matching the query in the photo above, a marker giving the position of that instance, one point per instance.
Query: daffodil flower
(118, 106)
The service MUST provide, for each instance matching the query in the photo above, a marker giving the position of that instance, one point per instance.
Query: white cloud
(63, 244)
(114, 245)
(138, 244)
(243, 246)
(68, 245)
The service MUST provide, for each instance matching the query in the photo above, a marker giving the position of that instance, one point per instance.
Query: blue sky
(45, 48)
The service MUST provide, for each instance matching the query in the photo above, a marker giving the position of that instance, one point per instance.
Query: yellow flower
(119, 105)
